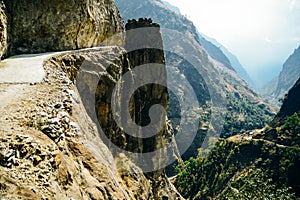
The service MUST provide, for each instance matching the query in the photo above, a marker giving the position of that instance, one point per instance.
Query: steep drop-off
(210, 79)
(260, 164)
(52, 146)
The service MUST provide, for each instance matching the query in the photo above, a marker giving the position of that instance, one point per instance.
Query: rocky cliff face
(209, 79)
(3, 30)
(291, 104)
(52, 144)
(54, 26)
(153, 185)
(51, 147)
(290, 73)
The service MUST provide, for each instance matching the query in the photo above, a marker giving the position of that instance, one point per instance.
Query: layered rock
(54, 26)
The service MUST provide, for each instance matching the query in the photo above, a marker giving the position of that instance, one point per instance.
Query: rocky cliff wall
(291, 104)
(43, 26)
(276, 89)
(3, 30)
(51, 148)
(98, 74)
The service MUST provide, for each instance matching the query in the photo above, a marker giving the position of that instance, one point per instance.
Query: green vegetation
(242, 169)
(256, 185)
(244, 115)
(292, 123)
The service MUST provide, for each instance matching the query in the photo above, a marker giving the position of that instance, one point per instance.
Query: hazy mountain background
(219, 51)
(235, 63)
(214, 48)
(232, 58)
(262, 40)
(280, 85)
(172, 7)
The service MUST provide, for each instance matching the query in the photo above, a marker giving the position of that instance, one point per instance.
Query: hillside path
(18, 70)
(18, 74)
(27, 68)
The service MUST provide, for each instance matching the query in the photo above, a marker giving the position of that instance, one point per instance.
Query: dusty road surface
(16, 73)
(23, 69)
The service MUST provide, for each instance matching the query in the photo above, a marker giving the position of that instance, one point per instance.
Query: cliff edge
(51, 147)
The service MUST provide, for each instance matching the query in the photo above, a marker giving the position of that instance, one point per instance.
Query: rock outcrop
(51, 144)
(50, 147)
(97, 79)
(291, 104)
(193, 72)
(54, 26)
(3, 30)
(70, 149)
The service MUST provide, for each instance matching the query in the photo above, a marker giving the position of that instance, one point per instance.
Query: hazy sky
(261, 33)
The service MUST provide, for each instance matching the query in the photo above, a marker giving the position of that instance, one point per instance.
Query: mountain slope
(215, 86)
(233, 60)
(261, 164)
(289, 74)
(286, 79)
(167, 18)
(215, 52)
(174, 8)
(219, 52)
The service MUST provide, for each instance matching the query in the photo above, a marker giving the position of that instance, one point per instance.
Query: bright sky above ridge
(262, 33)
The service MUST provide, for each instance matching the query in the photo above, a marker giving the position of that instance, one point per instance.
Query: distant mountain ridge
(280, 85)
(235, 63)
(172, 7)
(219, 52)
(215, 52)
